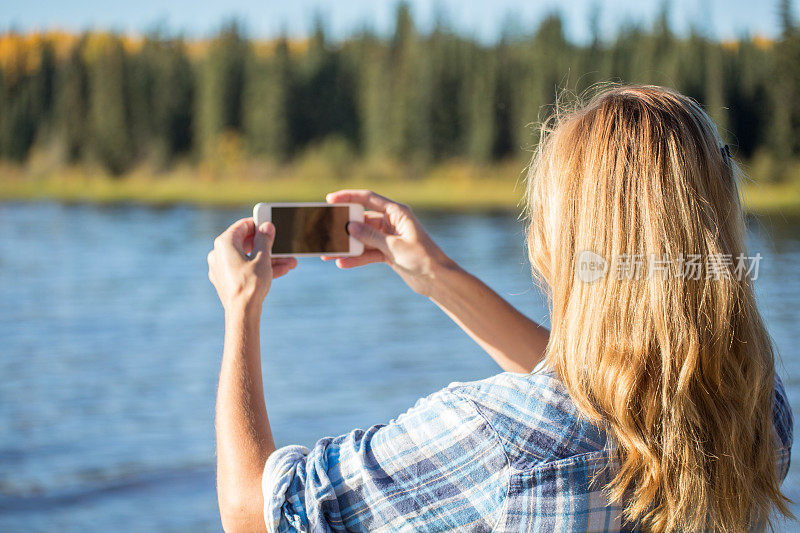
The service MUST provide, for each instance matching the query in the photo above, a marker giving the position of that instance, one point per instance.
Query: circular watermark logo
(590, 266)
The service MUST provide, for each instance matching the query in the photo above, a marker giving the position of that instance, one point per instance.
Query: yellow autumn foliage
(20, 53)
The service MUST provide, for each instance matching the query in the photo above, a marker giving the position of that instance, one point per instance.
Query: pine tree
(715, 97)
(593, 68)
(544, 65)
(785, 89)
(140, 90)
(109, 124)
(18, 123)
(377, 132)
(481, 84)
(410, 94)
(41, 87)
(220, 87)
(71, 105)
(168, 97)
(268, 85)
(448, 105)
(751, 83)
(503, 142)
(324, 96)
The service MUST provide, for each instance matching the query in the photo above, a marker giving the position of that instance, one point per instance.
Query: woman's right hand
(392, 234)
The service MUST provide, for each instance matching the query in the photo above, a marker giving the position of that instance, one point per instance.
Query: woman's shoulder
(536, 421)
(533, 417)
(539, 391)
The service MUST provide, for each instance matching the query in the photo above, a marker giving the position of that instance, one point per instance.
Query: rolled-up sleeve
(437, 466)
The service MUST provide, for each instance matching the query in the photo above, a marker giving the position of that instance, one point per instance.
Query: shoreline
(445, 192)
(456, 186)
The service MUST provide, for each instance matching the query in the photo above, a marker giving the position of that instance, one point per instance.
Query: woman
(656, 405)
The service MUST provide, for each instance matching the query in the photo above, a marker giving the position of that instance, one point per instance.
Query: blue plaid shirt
(509, 453)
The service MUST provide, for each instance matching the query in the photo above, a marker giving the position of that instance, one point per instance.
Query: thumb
(262, 242)
(368, 235)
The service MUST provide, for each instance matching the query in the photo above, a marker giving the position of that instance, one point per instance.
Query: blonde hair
(679, 371)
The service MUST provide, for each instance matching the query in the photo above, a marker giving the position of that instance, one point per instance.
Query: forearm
(514, 341)
(244, 438)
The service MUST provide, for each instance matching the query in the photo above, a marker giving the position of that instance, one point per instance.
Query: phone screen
(310, 230)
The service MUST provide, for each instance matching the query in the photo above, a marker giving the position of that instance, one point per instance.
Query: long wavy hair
(678, 368)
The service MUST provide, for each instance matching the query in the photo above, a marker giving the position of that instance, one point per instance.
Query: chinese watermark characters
(591, 266)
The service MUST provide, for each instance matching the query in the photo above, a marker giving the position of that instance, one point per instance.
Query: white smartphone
(310, 229)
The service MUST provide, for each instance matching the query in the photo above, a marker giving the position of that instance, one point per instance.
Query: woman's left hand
(241, 266)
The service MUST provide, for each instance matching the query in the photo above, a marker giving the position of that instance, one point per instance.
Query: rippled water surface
(110, 340)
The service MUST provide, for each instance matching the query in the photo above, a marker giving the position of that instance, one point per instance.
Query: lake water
(110, 342)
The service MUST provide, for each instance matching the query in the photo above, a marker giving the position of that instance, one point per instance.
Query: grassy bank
(454, 186)
(450, 186)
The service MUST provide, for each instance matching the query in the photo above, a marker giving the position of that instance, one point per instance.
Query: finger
(281, 269)
(374, 219)
(377, 221)
(238, 232)
(368, 199)
(262, 242)
(248, 243)
(284, 261)
(368, 235)
(368, 257)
